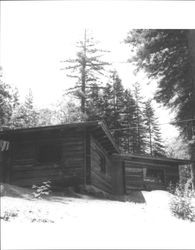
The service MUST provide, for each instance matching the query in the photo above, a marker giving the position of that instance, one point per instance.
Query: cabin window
(49, 153)
(155, 175)
(102, 162)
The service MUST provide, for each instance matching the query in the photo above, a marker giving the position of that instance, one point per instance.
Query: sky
(36, 36)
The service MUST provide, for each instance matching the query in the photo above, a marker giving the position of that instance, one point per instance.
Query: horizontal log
(137, 178)
(136, 173)
(33, 181)
(72, 154)
(23, 162)
(139, 184)
(46, 168)
(130, 188)
(133, 169)
(147, 164)
(171, 174)
(26, 168)
(23, 154)
(32, 175)
(41, 137)
(26, 149)
(129, 180)
(16, 167)
(69, 163)
(72, 150)
(68, 145)
(40, 179)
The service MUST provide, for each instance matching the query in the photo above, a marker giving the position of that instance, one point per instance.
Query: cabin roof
(160, 160)
(97, 128)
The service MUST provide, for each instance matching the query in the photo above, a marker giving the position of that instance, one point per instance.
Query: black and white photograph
(97, 124)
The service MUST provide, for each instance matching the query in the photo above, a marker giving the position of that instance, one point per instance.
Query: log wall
(26, 170)
(135, 175)
(99, 179)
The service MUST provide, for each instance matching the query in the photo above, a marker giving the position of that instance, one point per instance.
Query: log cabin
(80, 154)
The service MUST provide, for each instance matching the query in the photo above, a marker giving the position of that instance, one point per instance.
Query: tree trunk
(191, 43)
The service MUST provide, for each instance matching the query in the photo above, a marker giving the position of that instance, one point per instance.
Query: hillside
(86, 222)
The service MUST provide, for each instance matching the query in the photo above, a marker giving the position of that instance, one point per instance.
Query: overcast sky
(37, 35)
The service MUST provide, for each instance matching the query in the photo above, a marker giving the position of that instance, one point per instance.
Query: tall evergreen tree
(140, 130)
(165, 56)
(95, 104)
(169, 57)
(129, 122)
(107, 106)
(113, 105)
(68, 112)
(25, 115)
(117, 106)
(87, 68)
(154, 141)
(5, 104)
(46, 117)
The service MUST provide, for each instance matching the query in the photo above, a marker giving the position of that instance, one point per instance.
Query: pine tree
(46, 117)
(106, 105)
(5, 104)
(169, 57)
(155, 145)
(25, 115)
(94, 104)
(86, 68)
(139, 146)
(68, 112)
(158, 146)
(128, 122)
(112, 105)
(118, 106)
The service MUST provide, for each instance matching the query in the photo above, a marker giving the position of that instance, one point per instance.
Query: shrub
(43, 190)
(7, 215)
(42, 220)
(181, 202)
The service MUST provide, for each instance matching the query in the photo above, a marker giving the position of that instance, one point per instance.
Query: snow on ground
(93, 223)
